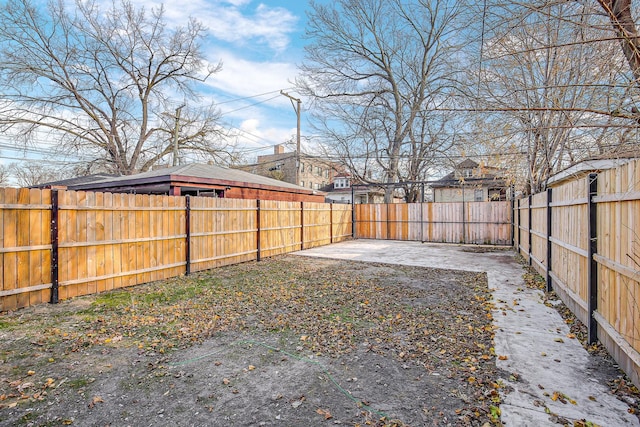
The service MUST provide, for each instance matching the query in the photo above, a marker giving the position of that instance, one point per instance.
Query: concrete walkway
(531, 335)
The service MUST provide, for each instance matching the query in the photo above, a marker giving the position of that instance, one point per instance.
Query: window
(479, 195)
(467, 173)
(301, 167)
(301, 183)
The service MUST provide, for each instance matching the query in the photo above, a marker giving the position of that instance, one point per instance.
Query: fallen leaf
(503, 357)
(225, 381)
(96, 399)
(558, 340)
(325, 413)
(251, 367)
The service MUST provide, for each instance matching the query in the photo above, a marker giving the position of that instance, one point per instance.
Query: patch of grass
(5, 326)
(78, 383)
(111, 300)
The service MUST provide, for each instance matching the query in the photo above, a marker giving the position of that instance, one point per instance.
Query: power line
(251, 96)
(249, 106)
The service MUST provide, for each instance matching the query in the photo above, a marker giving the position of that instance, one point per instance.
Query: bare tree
(620, 15)
(375, 71)
(4, 175)
(28, 174)
(103, 82)
(549, 86)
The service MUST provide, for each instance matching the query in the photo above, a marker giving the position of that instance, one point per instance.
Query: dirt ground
(287, 341)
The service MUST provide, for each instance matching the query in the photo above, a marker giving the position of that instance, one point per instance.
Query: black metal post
(55, 297)
(353, 212)
(549, 245)
(530, 229)
(422, 219)
(513, 221)
(188, 238)
(301, 225)
(258, 244)
(519, 235)
(593, 265)
(464, 237)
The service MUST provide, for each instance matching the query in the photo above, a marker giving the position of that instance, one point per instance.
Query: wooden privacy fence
(452, 222)
(61, 244)
(582, 236)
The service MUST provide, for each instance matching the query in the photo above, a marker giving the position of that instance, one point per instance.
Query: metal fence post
(353, 212)
(549, 245)
(513, 220)
(530, 212)
(258, 232)
(54, 248)
(188, 238)
(519, 228)
(593, 265)
(301, 225)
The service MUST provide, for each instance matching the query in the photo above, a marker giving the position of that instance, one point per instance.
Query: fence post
(549, 245)
(519, 227)
(188, 230)
(593, 265)
(258, 243)
(464, 237)
(353, 213)
(530, 212)
(301, 225)
(422, 217)
(54, 248)
(513, 220)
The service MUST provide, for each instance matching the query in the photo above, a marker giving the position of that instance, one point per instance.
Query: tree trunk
(619, 12)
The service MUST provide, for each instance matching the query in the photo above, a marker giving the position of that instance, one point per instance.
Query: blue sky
(260, 44)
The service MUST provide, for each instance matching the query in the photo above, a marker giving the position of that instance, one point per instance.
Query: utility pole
(175, 136)
(296, 107)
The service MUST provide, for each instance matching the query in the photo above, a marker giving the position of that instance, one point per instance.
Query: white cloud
(244, 77)
(234, 21)
(273, 134)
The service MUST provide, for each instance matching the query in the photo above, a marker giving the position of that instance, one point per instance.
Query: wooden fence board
(341, 220)
(108, 241)
(469, 222)
(317, 223)
(617, 255)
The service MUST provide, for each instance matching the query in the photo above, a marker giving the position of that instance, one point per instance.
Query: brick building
(315, 173)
